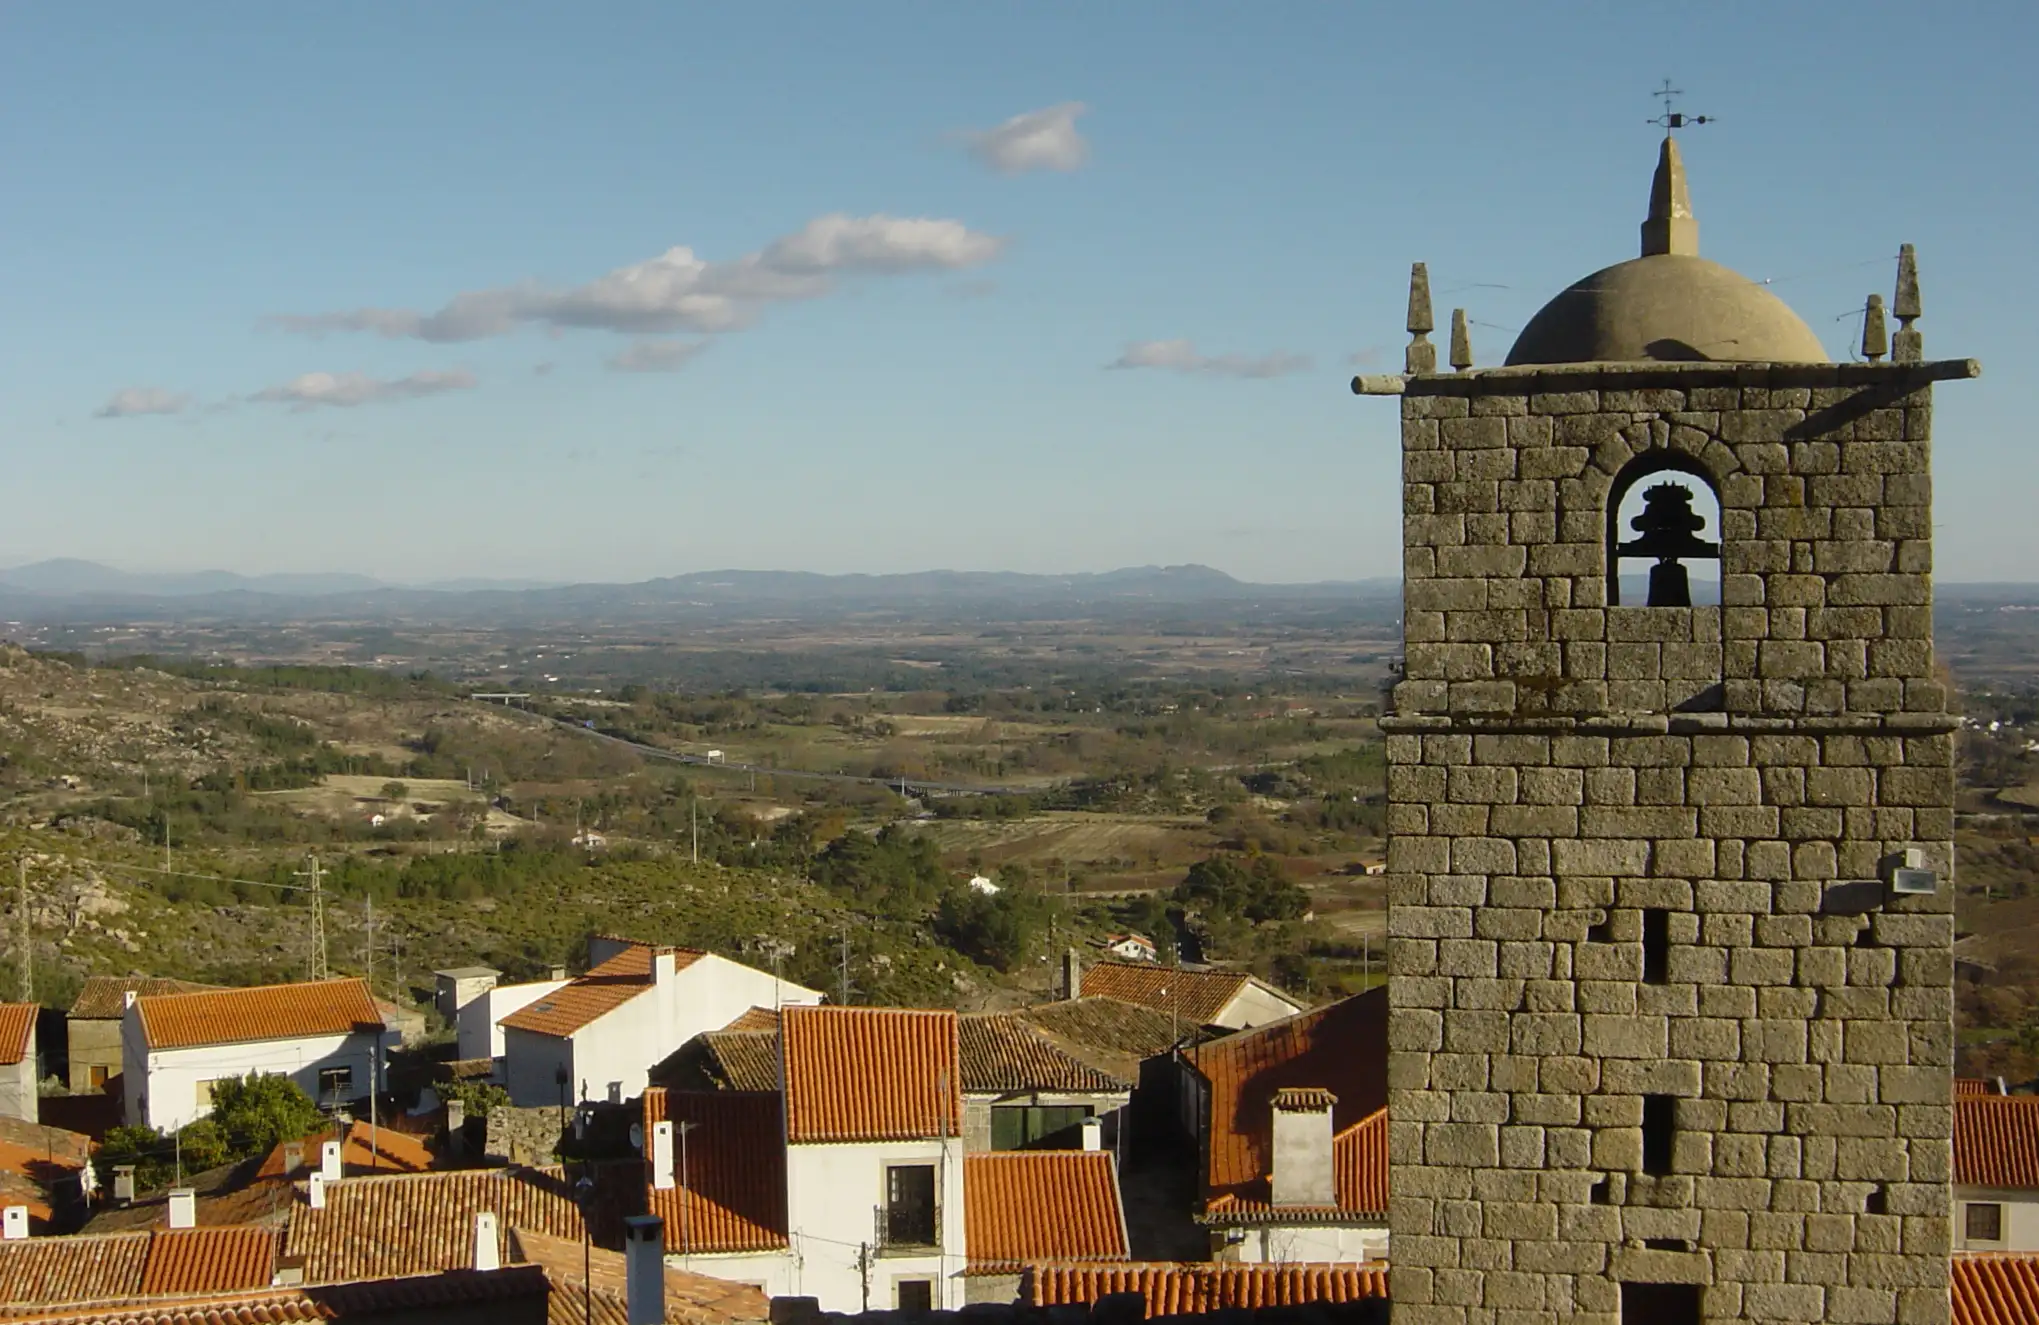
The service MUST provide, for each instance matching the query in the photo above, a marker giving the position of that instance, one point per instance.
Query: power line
(311, 871)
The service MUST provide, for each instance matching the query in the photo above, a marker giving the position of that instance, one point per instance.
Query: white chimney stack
(183, 1207)
(1072, 974)
(14, 1223)
(662, 968)
(1303, 1171)
(662, 1155)
(1093, 1134)
(644, 1269)
(316, 1191)
(615, 1092)
(487, 1255)
(124, 1183)
(329, 1160)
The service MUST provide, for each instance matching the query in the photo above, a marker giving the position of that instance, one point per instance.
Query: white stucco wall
(1290, 1244)
(1255, 1006)
(162, 1085)
(479, 1035)
(2020, 1223)
(17, 1084)
(833, 1196)
(626, 1042)
(773, 1271)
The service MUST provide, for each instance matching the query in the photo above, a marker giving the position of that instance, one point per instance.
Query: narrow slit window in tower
(1656, 946)
(1660, 1129)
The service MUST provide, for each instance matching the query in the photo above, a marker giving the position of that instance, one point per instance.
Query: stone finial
(1421, 356)
(1875, 338)
(1908, 346)
(1671, 227)
(1461, 341)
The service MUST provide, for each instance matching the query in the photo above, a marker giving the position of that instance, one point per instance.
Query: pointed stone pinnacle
(1670, 227)
(1907, 346)
(1461, 341)
(1875, 339)
(1421, 356)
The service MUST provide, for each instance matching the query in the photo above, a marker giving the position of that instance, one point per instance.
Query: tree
(258, 1112)
(999, 929)
(1223, 887)
(394, 791)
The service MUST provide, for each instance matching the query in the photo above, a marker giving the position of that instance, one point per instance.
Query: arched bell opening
(1664, 512)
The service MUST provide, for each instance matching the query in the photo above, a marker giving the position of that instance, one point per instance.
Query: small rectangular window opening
(1660, 1304)
(1877, 1202)
(1656, 946)
(1984, 1221)
(1601, 931)
(1660, 1128)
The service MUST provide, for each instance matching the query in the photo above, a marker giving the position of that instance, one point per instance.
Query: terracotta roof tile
(1196, 998)
(870, 1074)
(37, 1271)
(601, 991)
(104, 997)
(1359, 1159)
(691, 1299)
(265, 1012)
(1110, 1034)
(1341, 1048)
(420, 1294)
(363, 1150)
(1193, 1289)
(17, 1029)
(732, 1195)
(755, 1019)
(1303, 1099)
(423, 1222)
(1001, 1052)
(1021, 1206)
(209, 1260)
(741, 1060)
(1995, 1288)
(1975, 1086)
(1996, 1141)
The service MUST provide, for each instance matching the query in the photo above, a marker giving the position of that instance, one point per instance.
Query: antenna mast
(1673, 119)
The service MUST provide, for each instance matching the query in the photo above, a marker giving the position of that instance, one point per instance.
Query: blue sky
(862, 394)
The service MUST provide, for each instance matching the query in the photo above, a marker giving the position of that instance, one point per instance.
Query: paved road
(908, 786)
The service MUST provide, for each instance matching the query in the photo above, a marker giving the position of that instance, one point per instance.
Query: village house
(1996, 1172)
(598, 1036)
(1291, 1121)
(1233, 1000)
(479, 1028)
(456, 986)
(18, 1060)
(327, 1036)
(92, 1025)
(1132, 947)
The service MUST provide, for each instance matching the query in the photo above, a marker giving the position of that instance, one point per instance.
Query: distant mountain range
(69, 577)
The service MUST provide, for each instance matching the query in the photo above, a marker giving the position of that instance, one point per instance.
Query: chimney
(1072, 974)
(316, 1191)
(662, 969)
(487, 1255)
(183, 1208)
(662, 1155)
(557, 973)
(124, 1183)
(127, 1000)
(289, 1272)
(14, 1223)
(293, 1156)
(456, 1116)
(1093, 1134)
(615, 1092)
(329, 1160)
(644, 1269)
(1303, 1172)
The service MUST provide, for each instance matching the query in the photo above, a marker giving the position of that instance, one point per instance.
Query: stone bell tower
(1670, 906)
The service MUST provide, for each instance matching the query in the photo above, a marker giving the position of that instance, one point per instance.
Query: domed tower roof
(1670, 305)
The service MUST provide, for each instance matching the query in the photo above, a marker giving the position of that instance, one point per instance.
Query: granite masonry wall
(1658, 1018)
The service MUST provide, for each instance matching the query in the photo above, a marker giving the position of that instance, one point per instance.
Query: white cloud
(1182, 357)
(657, 356)
(1044, 139)
(349, 389)
(133, 400)
(680, 291)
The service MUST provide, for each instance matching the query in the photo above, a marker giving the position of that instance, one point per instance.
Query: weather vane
(1672, 119)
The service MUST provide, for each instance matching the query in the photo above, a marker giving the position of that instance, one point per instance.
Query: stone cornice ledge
(1623, 376)
(1659, 724)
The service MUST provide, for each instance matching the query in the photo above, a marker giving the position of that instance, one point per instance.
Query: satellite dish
(637, 1136)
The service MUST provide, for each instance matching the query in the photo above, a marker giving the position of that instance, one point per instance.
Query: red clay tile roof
(1191, 1289)
(691, 1299)
(1021, 1206)
(1342, 1048)
(419, 1223)
(870, 1074)
(1001, 1052)
(1359, 1159)
(104, 997)
(734, 1192)
(17, 1028)
(209, 1260)
(1996, 1288)
(1110, 1034)
(265, 1012)
(741, 1060)
(592, 996)
(755, 1019)
(363, 1150)
(38, 1271)
(1975, 1086)
(1196, 998)
(1303, 1099)
(1996, 1141)
(416, 1296)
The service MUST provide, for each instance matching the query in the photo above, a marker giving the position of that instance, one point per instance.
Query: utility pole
(694, 822)
(27, 931)
(843, 984)
(369, 961)
(686, 1204)
(312, 873)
